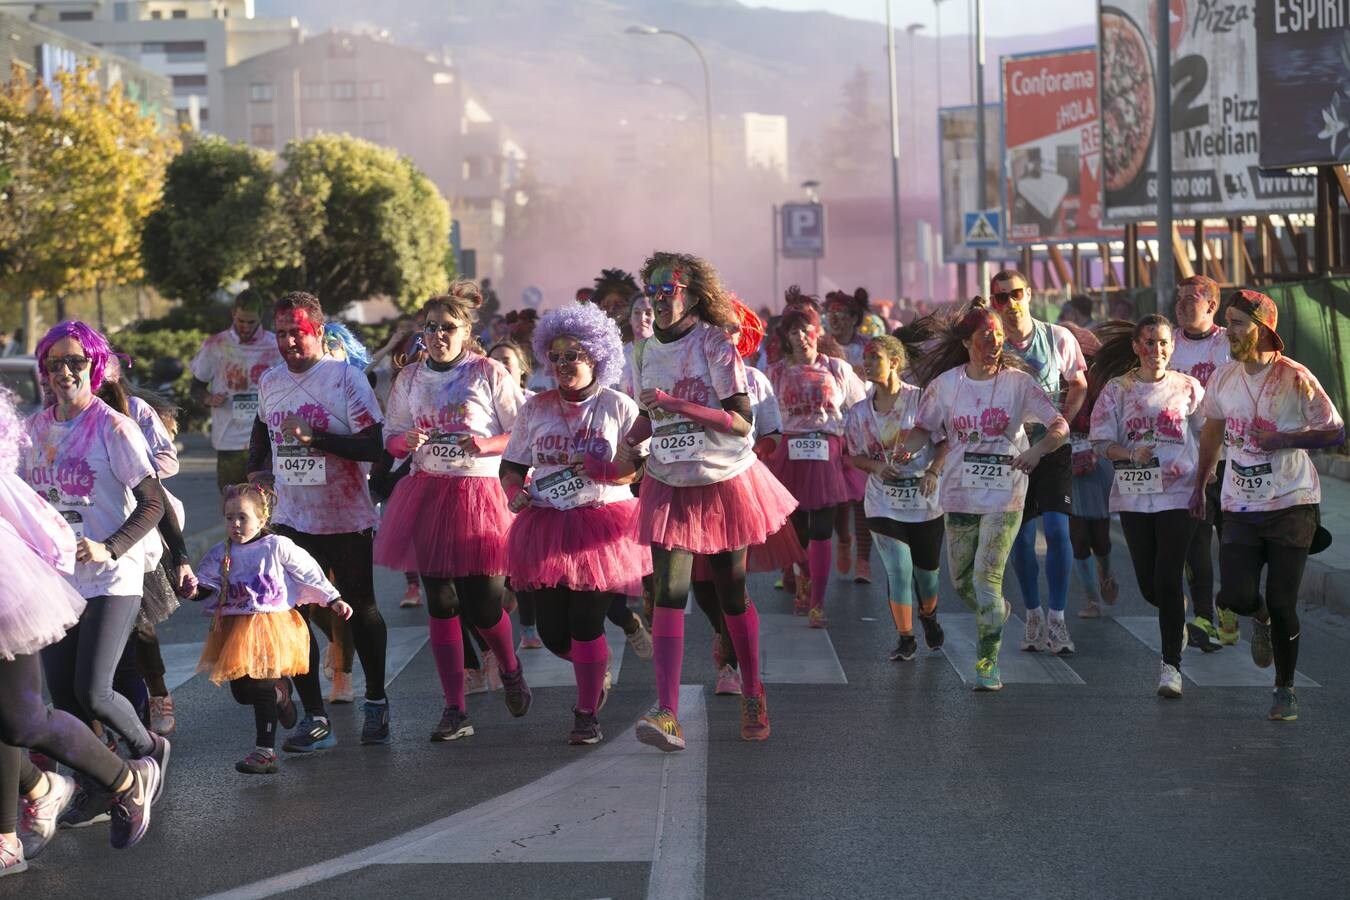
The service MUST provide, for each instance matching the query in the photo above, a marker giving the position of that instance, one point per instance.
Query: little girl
(256, 580)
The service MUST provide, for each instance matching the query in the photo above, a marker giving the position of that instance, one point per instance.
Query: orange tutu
(259, 645)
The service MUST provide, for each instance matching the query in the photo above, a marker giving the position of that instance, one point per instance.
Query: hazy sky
(1001, 16)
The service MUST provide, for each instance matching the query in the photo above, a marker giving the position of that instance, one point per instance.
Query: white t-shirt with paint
(269, 574)
(477, 397)
(1131, 412)
(318, 492)
(1199, 358)
(763, 403)
(234, 368)
(815, 397)
(881, 436)
(1283, 397)
(86, 468)
(984, 421)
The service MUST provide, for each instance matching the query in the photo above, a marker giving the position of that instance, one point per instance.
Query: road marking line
(1230, 667)
(1015, 665)
(403, 644)
(792, 653)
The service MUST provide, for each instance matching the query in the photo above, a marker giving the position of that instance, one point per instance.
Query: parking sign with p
(803, 230)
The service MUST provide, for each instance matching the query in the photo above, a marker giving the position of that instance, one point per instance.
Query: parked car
(20, 375)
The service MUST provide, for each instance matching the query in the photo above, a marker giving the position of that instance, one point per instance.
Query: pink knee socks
(668, 655)
(589, 659)
(818, 561)
(744, 631)
(499, 638)
(447, 649)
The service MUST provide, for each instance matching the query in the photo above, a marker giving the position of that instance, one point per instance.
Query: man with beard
(1267, 411)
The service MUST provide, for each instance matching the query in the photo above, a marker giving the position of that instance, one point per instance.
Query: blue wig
(335, 334)
(595, 331)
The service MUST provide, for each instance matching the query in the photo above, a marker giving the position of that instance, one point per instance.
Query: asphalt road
(881, 779)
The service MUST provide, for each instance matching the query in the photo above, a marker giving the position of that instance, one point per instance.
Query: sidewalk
(1326, 581)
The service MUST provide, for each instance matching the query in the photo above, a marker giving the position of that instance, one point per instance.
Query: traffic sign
(532, 297)
(984, 229)
(803, 230)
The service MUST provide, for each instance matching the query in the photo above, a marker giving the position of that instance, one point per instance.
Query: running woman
(447, 521)
(1146, 422)
(37, 607)
(252, 582)
(225, 374)
(704, 491)
(844, 318)
(1200, 347)
(1052, 354)
(1267, 411)
(572, 544)
(814, 392)
(318, 423)
(902, 507)
(94, 467)
(975, 397)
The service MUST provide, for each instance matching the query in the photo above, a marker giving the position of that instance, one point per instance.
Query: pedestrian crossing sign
(984, 228)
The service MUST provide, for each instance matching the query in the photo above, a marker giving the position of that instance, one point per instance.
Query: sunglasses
(76, 364)
(1002, 298)
(438, 328)
(567, 356)
(666, 290)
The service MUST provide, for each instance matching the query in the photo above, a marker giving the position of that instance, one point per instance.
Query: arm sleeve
(305, 581)
(365, 446)
(259, 448)
(147, 512)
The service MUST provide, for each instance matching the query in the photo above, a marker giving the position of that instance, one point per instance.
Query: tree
(221, 220)
(369, 222)
(81, 174)
(853, 151)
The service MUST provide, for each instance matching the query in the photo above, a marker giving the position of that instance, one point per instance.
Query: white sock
(1056, 615)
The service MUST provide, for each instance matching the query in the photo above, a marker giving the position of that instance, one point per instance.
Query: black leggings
(261, 694)
(1090, 537)
(705, 595)
(478, 597)
(1240, 570)
(814, 524)
(149, 660)
(672, 568)
(1200, 569)
(26, 722)
(565, 616)
(347, 559)
(1158, 543)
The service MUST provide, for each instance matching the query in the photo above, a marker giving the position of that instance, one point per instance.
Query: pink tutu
(857, 482)
(589, 548)
(781, 550)
(710, 518)
(816, 484)
(445, 527)
(37, 605)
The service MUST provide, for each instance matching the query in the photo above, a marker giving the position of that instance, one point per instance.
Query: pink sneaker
(492, 671)
(728, 682)
(411, 597)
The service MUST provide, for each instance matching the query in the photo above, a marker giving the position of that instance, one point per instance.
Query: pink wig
(95, 347)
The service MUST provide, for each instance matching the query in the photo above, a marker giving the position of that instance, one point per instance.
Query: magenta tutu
(781, 550)
(739, 512)
(589, 548)
(445, 527)
(857, 482)
(816, 484)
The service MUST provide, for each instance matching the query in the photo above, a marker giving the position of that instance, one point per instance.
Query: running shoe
(1263, 654)
(341, 691)
(286, 713)
(788, 581)
(529, 638)
(987, 677)
(11, 858)
(1169, 681)
(906, 649)
(933, 635)
(1229, 632)
(1034, 637)
(90, 806)
(162, 720)
(1285, 707)
(659, 729)
(801, 601)
(492, 671)
(641, 639)
(728, 682)
(585, 729)
(454, 724)
(131, 808)
(719, 658)
(313, 733)
(1107, 584)
(411, 597)
(328, 662)
(862, 572)
(816, 618)
(843, 553)
(1200, 632)
(1090, 610)
(1058, 641)
(755, 717)
(375, 728)
(37, 818)
(160, 753)
(259, 762)
(475, 681)
(517, 692)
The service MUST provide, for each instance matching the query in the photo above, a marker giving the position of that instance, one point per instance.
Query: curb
(200, 541)
(1325, 588)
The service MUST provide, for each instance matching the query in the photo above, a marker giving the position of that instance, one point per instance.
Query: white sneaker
(1033, 639)
(37, 818)
(1057, 637)
(641, 640)
(1169, 681)
(728, 682)
(341, 690)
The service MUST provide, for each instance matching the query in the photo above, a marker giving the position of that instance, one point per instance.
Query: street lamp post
(982, 268)
(937, 49)
(648, 30)
(895, 157)
(911, 29)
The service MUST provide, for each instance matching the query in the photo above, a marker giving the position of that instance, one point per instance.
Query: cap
(1261, 309)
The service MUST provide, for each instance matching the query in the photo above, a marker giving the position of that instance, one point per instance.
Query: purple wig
(595, 331)
(95, 347)
(13, 434)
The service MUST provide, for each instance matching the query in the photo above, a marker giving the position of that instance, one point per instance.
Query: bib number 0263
(679, 441)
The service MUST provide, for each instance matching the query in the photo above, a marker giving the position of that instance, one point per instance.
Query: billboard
(1052, 147)
(1303, 74)
(1215, 111)
(960, 186)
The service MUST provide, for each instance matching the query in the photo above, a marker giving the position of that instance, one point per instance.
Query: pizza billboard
(1052, 147)
(1303, 70)
(1216, 169)
(960, 187)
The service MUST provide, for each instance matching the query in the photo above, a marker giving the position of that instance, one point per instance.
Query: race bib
(300, 466)
(904, 494)
(1082, 450)
(568, 489)
(243, 407)
(1138, 479)
(678, 441)
(442, 454)
(987, 471)
(75, 519)
(1252, 483)
(814, 446)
